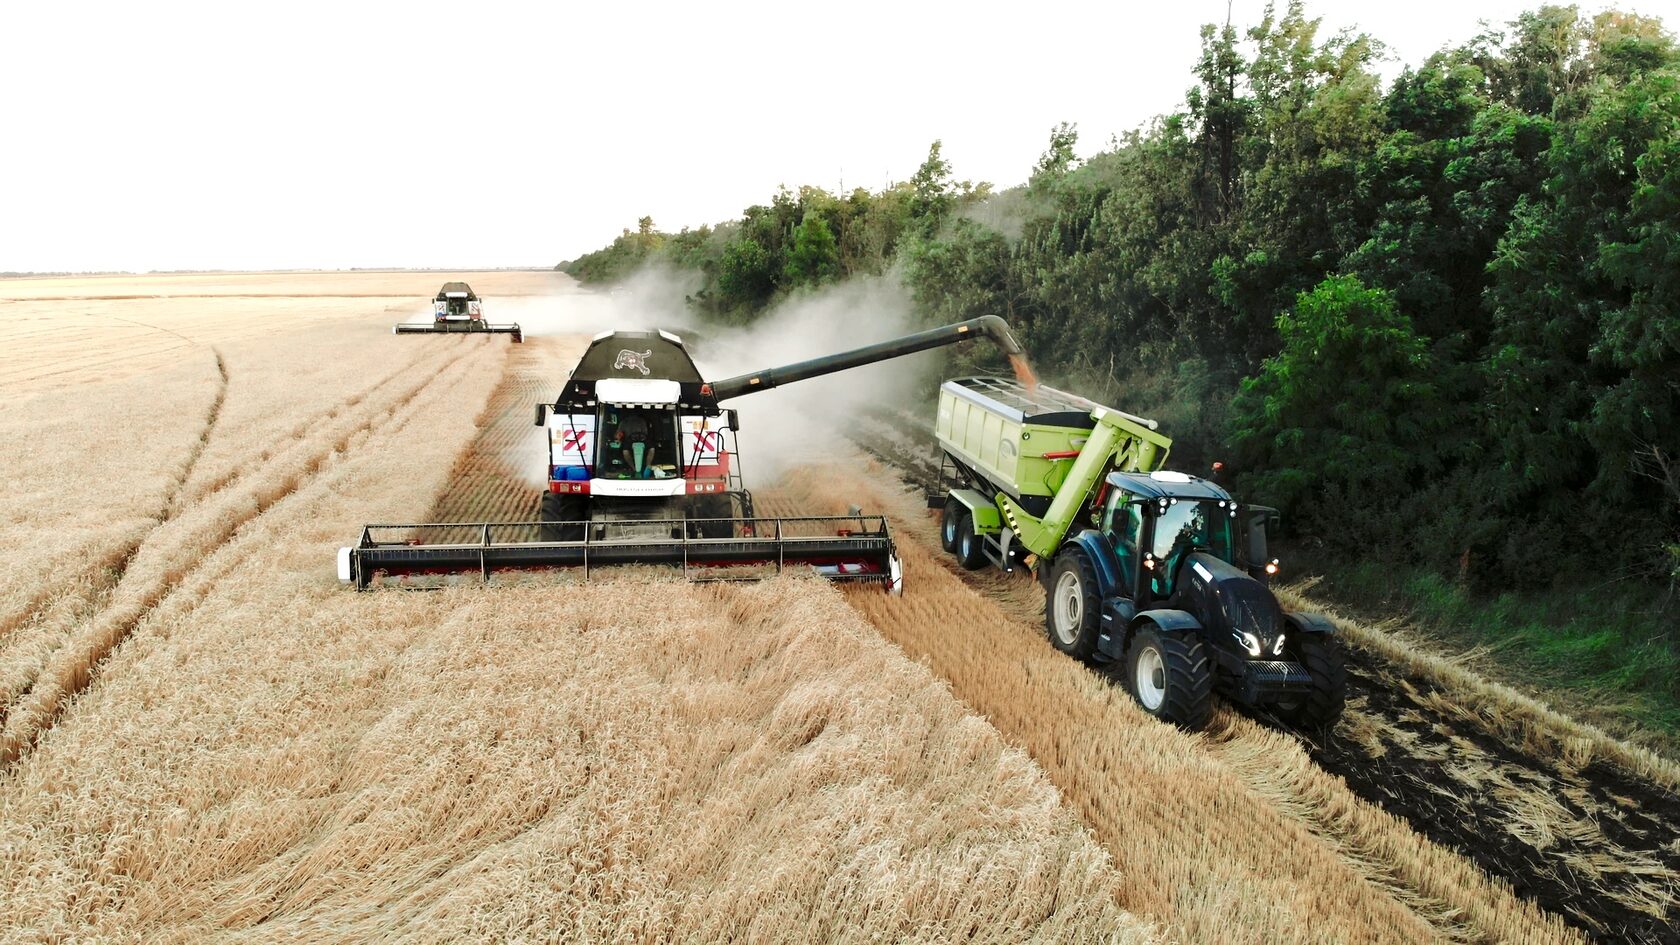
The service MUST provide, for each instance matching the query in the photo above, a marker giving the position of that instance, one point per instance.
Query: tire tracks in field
(72, 667)
(107, 571)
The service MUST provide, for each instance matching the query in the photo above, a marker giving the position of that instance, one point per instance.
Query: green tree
(815, 256)
(1343, 420)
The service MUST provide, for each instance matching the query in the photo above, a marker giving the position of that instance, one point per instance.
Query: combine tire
(1072, 606)
(1320, 708)
(949, 521)
(1170, 676)
(971, 548)
(562, 508)
(709, 518)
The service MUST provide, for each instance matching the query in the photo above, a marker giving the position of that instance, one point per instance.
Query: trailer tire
(556, 507)
(971, 548)
(1072, 605)
(1318, 709)
(949, 521)
(1170, 676)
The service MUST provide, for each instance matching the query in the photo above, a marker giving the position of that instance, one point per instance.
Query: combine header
(642, 467)
(457, 309)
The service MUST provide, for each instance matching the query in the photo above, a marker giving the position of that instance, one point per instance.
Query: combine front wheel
(571, 510)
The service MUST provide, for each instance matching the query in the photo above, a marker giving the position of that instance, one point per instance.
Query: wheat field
(206, 738)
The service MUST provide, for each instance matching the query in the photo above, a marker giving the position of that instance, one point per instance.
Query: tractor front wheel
(1320, 707)
(1170, 676)
(1073, 608)
(572, 510)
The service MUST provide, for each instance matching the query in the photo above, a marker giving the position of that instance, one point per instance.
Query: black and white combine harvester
(455, 309)
(642, 468)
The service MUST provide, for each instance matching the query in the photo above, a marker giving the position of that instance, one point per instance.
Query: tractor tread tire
(1320, 708)
(1084, 646)
(1189, 671)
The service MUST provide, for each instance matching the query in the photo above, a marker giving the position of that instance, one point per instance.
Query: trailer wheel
(1170, 676)
(556, 507)
(949, 521)
(1072, 608)
(971, 548)
(1320, 708)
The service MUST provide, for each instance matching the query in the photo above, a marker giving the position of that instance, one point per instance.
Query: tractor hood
(1233, 604)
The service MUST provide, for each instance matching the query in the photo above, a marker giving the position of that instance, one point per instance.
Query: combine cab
(642, 468)
(456, 308)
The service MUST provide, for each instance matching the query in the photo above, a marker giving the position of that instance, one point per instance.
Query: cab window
(1122, 523)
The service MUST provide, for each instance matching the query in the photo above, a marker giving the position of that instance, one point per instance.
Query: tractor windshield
(1185, 526)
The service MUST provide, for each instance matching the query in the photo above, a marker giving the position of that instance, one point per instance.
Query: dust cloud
(788, 426)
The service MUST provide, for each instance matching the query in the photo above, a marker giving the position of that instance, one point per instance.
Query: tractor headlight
(1251, 643)
(1277, 648)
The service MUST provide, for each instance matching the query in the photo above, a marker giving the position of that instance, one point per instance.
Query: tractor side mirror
(1256, 522)
(542, 414)
(732, 420)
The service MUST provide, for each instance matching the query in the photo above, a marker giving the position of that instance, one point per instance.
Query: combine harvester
(457, 309)
(1158, 571)
(643, 469)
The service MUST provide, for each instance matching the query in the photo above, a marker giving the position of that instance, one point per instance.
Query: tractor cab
(1156, 522)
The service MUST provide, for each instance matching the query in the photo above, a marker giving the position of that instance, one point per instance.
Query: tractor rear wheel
(971, 548)
(1319, 708)
(1072, 606)
(556, 507)
(949, 519)
(1170, 676)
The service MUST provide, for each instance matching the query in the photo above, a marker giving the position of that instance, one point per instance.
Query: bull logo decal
(637, 360)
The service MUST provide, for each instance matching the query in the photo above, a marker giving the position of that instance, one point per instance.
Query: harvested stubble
(1228, 835)
(270, 757)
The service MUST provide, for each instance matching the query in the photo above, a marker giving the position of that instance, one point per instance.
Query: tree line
(1436, 319)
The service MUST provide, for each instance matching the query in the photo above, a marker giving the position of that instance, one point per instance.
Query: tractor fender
(1172, 621)
(1302, 622)
(1101, 556)
(1115, 646)
(981, 509)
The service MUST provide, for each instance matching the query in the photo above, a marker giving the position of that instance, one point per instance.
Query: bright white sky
(301, 134)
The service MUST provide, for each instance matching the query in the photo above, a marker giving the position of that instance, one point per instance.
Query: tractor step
(840, 548)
